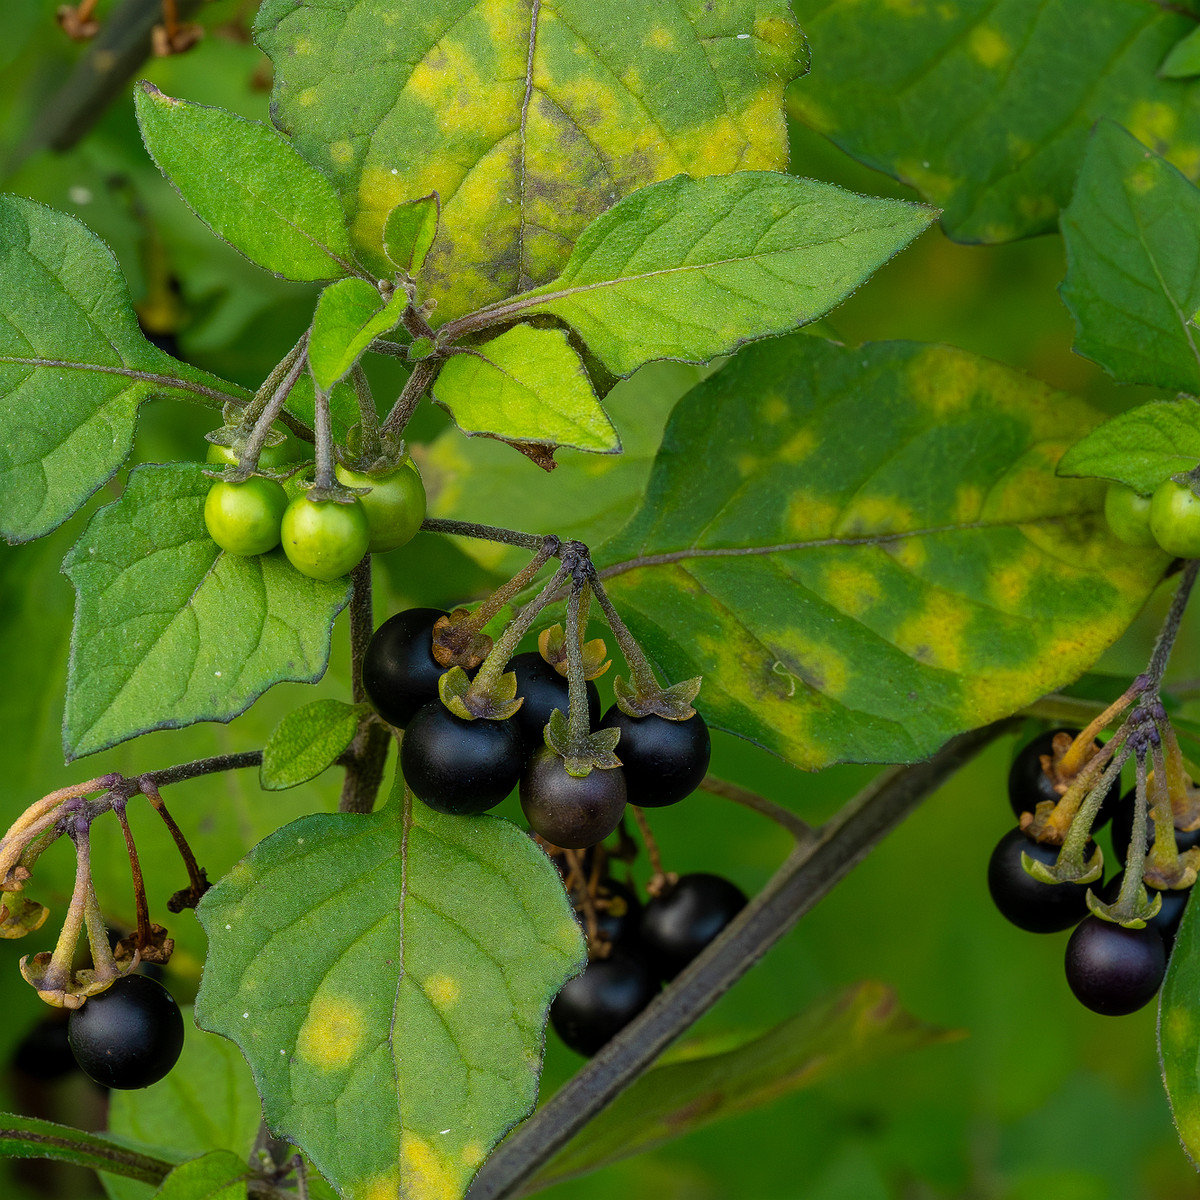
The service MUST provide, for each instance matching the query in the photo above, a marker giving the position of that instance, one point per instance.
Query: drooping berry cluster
(1063, 786)
(479, 721)
(634, 948)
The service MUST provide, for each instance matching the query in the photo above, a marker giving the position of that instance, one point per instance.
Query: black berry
(400, 674)
(570, 812)
(460, 767)
(663, 760)
(1122, 829)
(597, 1005)
(1170, 913)
(1027, 902)
(678, 924)
(129, 1036)
(1029, 785)
(1113, 970)
(543, 689)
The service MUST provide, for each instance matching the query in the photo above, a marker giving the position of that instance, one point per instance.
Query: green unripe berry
(1175, 519)
(395, 505)
(1128, 515)
(271, 458)
(324, 539)
(244, 518)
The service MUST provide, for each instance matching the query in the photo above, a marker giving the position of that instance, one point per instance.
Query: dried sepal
(20, 915)
(456, 643)
(157, 948)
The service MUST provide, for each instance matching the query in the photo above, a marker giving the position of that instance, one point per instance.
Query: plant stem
(197, 880)
(323, 476)
(422, 375)
(809, 872)
(271, 410)
(201, 766)
(139, 884)
(368, 417)
(578, 718)
(799, 828)
(367, 755)
(643, 677)
(1170, 629)
(650, 842)
(487, 533)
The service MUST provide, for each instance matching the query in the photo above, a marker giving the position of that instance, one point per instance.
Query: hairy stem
(799, 828)
(422, 375)
(367, 756)
(486, 533)
(1170, 629)
(808, 874)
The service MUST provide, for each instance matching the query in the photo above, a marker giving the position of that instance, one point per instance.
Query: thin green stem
(578, 717)
(643, 678)
(323, 476)
(372, 448)
(269, 414)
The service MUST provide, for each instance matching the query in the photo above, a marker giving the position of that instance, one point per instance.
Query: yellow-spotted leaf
(527, 385)
(690, 269)
(867, 551)
(985, 107)
(406, 1037)
(528, 117)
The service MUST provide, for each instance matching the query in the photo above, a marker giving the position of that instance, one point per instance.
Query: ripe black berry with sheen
(400, 674)
(570, 812)
(1170, 913)
(598, 1004)
(677, 925)
(1122, 829)
(663, 760)
(460, 767)
(543, 689)
(1027, 902)
(1113, 970)
(129, 1036)
(1029, 785)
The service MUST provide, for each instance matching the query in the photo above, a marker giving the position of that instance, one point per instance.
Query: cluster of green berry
(1111, 968)
(1169, 519)
(323, 537)
(464, 766)
(634, 948)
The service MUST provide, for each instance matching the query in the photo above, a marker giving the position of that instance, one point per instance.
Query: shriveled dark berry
(1029, 785)
(1027, 902)
(678, 924)
(543, 690)
(663, 760)
(129, 1036)
(1113, 970)
(595, 1006)
(568, 811)
(399, 672)
(460, 767)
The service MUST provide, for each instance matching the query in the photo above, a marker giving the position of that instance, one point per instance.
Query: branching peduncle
(487, 533)
(1170, 629)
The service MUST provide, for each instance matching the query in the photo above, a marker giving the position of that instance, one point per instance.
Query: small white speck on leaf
(444, 1131)
(742, 37)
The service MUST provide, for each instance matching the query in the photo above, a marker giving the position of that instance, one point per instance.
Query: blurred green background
(1041, 1099)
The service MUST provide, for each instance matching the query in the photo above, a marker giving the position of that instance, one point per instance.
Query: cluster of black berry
(633, 949)
(462, 766)
(1112, 968)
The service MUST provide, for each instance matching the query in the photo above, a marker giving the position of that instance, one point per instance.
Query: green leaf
(866, 551)
(692, 268)
(24, 1137)
(350, 315)
(1184, 60)
(1140, 448)
(527, 385)
(1179, 1032)
(409, 231)
(306, 741)
(977, 105)
(249, 185)
(169, 630)
(406, 1038)
(528, 119)
(74, 368)
(1132, 233)
(218, 1175)
(859, 1025)
(588, 497)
